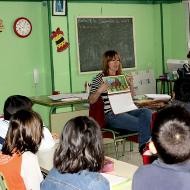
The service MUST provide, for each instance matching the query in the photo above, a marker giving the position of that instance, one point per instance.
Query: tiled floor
(132, 157)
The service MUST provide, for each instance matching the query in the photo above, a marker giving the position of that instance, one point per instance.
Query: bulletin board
(144, 82)
(96, 35)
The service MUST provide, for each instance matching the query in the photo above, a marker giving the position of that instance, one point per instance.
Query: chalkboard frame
(131, 66)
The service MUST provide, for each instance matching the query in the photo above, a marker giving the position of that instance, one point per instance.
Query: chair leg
(124, 141)
(116, 149)
(131, 146)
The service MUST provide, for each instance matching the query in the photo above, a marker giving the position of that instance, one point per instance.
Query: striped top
(96, 83)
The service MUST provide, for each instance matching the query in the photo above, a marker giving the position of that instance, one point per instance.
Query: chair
(96, 111)
(3, 185)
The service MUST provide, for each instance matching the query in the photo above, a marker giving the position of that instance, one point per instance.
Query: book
(119, 94)
(118, 182)
(117, 84)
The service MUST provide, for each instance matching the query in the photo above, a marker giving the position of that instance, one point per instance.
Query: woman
(78, 158)
(18, 162)
(135, 120)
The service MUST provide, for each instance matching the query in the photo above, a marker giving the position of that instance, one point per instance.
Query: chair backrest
(3, 185)
(96, 111)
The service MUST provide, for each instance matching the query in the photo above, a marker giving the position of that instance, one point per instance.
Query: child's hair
(15, 103)
(107, 57)
(171, 134)
(80, 146)
(24, 134)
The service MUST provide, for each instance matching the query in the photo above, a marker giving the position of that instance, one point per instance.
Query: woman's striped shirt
(96, 83)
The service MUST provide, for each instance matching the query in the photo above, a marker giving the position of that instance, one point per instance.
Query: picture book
(117, 84)
(119, 94)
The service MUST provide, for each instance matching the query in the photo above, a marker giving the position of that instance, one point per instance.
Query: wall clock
(22, 27)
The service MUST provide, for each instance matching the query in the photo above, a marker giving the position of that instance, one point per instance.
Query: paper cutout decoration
(1, 25)
(57, 36)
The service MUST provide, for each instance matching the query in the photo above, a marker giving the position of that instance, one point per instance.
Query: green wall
(147, 28)
(20, 56)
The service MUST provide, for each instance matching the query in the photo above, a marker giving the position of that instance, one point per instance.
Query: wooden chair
(96, 111)
(3, 185)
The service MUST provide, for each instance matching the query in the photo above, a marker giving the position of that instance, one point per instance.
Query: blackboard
(99, 34)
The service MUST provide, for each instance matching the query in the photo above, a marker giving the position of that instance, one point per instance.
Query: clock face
(22, 27)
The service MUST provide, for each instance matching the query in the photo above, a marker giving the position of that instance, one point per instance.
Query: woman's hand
(129, 79)
(103, 88)
(94, 97)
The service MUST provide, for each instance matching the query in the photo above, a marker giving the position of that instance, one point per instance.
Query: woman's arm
(93, 97)
(129, 79)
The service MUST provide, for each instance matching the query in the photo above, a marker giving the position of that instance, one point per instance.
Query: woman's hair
(107, 57)
(171, 134)
(15, 103)
(80, 146)
(24, 134)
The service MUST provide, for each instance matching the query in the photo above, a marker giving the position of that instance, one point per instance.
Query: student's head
(111, 60)
(15, 103)
(188, 55)
(24, 133)
(80, 146)
(171, 134)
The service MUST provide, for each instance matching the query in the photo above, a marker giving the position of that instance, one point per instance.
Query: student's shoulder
(146, 170)
(29, 156)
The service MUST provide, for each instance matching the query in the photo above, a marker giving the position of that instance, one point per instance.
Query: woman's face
(114, 65)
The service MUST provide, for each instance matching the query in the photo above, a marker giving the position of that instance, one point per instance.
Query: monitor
(174, 64)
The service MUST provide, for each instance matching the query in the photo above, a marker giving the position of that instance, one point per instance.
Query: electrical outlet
(36, 76)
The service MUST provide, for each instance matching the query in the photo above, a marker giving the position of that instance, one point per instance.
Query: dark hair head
(24, 134)
(188, 54)
(171, 134)
(80, 146)
(107, 57)
(15, 103)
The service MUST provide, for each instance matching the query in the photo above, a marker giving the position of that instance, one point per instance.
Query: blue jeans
(136, 120)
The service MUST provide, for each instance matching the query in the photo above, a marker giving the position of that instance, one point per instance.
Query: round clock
(22, 27)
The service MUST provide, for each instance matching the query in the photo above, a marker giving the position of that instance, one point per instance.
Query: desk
(54, 104)
(121, 168)
(151, 104)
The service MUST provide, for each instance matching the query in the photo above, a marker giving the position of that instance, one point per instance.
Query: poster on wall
(59, 7)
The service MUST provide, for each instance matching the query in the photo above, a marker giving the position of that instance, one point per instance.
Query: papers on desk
(163, 97)
(69, 96)
(117, 182)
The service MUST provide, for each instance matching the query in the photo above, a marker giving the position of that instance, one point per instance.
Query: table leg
(51, 111)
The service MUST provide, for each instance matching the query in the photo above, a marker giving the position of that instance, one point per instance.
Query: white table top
(121, 168)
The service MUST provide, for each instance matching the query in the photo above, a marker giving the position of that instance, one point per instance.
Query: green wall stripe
(162, 37)
(50, 46)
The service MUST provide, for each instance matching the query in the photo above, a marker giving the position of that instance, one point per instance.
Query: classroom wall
(147, 31)
(20, 56)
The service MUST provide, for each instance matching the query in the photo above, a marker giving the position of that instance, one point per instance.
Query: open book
(119, 94)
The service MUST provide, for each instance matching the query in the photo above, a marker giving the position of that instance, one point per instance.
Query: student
(135, 120)
(171, 142)
(12, 105)
(78, 158)
(18, 162)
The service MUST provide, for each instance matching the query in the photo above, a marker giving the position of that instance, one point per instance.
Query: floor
(132, 157)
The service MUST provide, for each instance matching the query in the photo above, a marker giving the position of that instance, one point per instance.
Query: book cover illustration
(117, 84)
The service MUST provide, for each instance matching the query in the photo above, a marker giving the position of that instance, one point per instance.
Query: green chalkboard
(99, 34)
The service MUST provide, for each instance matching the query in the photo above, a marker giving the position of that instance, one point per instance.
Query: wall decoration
(59, 7)
(22, 27)
(1, 25)
(57, 36)
(144, 82)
